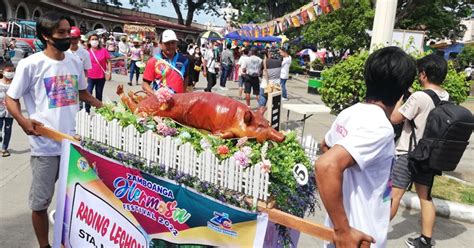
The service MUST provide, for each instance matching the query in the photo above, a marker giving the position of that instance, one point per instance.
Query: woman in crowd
(6, 120)
(111, 44)
(197, 65)
(136, 55)
(101, 68)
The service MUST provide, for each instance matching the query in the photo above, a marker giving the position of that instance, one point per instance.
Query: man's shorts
(252, 83)
(402, 174)
(241, 81)
(45, 173)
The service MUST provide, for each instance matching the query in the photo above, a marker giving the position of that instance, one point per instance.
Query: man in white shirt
(209, 68)
(353, 173)
(253, 70)
(432, 72)
(242, 63)
(51, 84)
(285, 72)
(78, 51)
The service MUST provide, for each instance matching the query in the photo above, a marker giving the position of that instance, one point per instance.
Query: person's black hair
(254, 51)
(46, 24)
(246, 51)
(229, 46)
(183, 47)
(284, 49)
(388, 74)
(435, 67)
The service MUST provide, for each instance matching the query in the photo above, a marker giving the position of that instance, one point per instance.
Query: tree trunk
(190, 16)
(178, 11)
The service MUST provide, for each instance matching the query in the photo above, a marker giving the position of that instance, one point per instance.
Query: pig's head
(257, 126)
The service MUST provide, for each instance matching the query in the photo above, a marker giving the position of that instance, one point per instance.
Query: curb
(448, 209)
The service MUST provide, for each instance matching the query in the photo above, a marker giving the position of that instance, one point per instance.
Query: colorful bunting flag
(304, 17)
(311, 13)
(295, 20)
(325, 6)
(335, 4)
(318, 9)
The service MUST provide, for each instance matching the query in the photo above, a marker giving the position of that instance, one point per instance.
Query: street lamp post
(384, 21)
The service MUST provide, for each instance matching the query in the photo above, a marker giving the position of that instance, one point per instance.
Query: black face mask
(62, 44)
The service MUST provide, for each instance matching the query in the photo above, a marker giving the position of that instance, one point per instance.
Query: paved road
(15, 178)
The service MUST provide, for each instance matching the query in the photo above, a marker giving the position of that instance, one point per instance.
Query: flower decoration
(163, 95)
(242, 141)
(266, 166)
(222, 150)
(185, 135)
(205, 144)
(264, 150)
(241, 159)
(164, 130)
(247, 150)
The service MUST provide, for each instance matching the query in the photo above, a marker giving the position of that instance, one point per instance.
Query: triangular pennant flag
(272, 29)
(318, 9)
(335, 4)
(304, 17)
(325, 6)
(311, 13)
(295, 20)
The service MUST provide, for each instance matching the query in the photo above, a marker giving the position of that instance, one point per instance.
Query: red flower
(222, 150)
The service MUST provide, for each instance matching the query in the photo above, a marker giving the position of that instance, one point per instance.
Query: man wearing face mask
(51, 84)
(168, 68)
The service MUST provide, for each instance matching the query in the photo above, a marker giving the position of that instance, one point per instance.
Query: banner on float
(102, 203)
(119, 63)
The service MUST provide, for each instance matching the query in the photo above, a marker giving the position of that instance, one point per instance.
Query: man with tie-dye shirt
(51, 84)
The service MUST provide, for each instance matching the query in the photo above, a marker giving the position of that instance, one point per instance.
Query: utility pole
(384, 21)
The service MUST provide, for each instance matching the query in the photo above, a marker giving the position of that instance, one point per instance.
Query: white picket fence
(183, 158)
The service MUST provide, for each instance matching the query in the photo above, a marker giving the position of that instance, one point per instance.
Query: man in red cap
(79, 52)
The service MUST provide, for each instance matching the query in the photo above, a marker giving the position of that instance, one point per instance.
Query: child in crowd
(6, 120)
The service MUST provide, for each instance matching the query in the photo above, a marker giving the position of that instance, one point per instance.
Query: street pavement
(15, 179)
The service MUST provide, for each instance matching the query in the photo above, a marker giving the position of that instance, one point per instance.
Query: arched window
(37, 13)
(117, 29)
(98, 25)
(21, 12)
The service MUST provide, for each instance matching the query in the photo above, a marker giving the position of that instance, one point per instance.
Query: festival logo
(82, 164)
(62, 90)
(221, 223)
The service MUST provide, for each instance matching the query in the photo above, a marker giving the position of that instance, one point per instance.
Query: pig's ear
(248, 117)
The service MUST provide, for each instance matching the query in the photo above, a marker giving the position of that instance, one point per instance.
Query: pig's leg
(132, 105)
(224, 135)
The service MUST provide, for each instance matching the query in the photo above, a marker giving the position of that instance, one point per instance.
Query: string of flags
(297, 18)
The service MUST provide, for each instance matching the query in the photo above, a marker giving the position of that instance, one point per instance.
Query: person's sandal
(129, 83)
(5, 153)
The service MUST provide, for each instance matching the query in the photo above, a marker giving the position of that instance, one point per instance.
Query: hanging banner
(102, 203)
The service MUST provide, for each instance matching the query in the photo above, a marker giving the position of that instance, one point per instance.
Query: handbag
(197, 68)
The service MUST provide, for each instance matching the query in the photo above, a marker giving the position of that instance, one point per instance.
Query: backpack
(447, 132)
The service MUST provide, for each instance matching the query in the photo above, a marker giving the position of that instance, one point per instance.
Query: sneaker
(129, 83)
(223, 88)
(5, 153)
(284, 99)
(419, 242)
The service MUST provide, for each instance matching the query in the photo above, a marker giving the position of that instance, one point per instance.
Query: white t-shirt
(123, 48)
(83, 55)
(50, 89)
(243, 60)
(211, 62)
(417, 107)
(366, 133)
(254, 66)
(285, 68)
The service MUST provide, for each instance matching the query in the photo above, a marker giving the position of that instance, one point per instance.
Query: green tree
(343, 29)
(465, 57)
(192, 6)
(440, 18)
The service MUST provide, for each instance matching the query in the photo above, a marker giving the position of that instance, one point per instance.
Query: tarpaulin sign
(102, 203)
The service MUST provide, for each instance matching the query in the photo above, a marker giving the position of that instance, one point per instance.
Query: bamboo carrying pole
(274, 215)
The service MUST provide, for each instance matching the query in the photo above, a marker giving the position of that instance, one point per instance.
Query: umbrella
(210, 35)
(305, 52)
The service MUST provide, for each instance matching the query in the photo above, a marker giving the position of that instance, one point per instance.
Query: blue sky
(155, 7)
